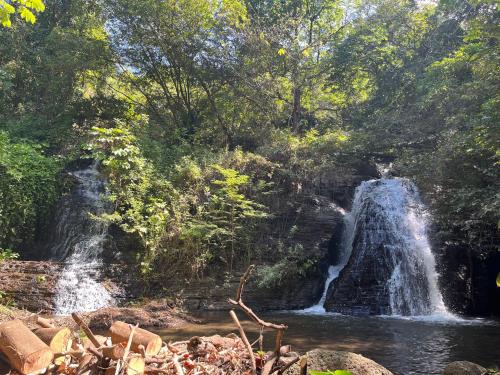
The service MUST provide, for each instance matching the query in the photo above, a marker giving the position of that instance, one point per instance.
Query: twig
(266, 370)
(177, 365)
(279, 338)
(243, 281)
(95, 352)
(245, 340)
(303, 366)
(288, 365)
(86, 329)
(127, 349)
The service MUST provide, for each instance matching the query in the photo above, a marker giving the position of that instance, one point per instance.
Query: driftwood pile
(130, 350)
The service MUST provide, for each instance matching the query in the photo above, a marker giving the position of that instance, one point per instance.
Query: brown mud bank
(152, 314)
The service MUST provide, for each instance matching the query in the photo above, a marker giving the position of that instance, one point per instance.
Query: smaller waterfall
(319, 308)
(79, 243)
(334, 270)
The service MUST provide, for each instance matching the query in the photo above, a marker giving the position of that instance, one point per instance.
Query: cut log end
(136, 366)
(56, 338)
(24, 350)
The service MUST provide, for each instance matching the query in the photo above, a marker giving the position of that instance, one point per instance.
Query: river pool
(404, 346)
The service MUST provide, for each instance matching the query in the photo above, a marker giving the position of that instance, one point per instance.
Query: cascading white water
(386, 255)
(334, 270)
(80, 242)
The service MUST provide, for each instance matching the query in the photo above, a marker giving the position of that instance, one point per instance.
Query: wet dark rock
(467, 278)
(464, 368)
(208, 295)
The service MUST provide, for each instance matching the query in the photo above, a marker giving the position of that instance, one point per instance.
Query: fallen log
(114, 352)
(120, 332)
(25, 351)
(56, 338)
(44, 323)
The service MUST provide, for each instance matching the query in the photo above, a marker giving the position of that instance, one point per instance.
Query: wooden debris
(44, 323)
(130, 350)
(24, 350)
(135, 366)
(120, 331)
(56, 338)
(114, 352)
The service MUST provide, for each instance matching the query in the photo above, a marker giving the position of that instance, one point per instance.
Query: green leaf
(27, 15)
(498, 280)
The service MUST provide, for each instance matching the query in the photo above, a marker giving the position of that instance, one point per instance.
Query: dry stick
(261, 339)
(95, 352)
(86, 329)
(303, 366)
(288, 365)
(279, 338)
(266, 370)
(280, 328)
(127, 348)
(245, 340)
(177, 365)
(142, 350)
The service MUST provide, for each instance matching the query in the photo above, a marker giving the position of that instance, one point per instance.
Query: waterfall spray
(79, 243)
(386, 265)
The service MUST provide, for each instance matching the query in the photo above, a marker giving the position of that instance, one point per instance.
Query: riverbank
(159, 314)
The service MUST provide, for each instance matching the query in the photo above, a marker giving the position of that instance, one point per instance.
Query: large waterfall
(387, 266)
(79, 242)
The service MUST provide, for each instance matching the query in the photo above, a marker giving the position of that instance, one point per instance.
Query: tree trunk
(120, 331)
(296, 110)
(25, 351)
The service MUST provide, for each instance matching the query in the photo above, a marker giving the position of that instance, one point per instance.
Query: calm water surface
(406, 347)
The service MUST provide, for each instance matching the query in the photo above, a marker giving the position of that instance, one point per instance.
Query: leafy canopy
(26, 9)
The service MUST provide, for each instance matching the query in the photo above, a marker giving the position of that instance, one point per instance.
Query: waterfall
(79, 242)
(387, 266)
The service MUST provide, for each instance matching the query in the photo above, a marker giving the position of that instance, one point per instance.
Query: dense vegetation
(210, 116)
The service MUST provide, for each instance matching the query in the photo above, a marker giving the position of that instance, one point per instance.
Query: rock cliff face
(31, 284)
(317, 220)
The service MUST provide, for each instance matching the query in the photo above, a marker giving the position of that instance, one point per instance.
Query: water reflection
(406, 347)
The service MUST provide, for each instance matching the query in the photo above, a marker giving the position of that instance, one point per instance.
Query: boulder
(464, 368)
(323, 360)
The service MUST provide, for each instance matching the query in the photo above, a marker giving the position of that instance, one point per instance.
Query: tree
(25, 8)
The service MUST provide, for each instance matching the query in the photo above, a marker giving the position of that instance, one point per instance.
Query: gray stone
(323, 360)
(464, 368)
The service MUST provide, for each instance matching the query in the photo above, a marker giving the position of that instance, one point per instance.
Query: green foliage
(215, 121)
(329, 372)
(294, 262)
(28, 188)
(8, 254)
(141, 200)
(24, 8)
(6, 301)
